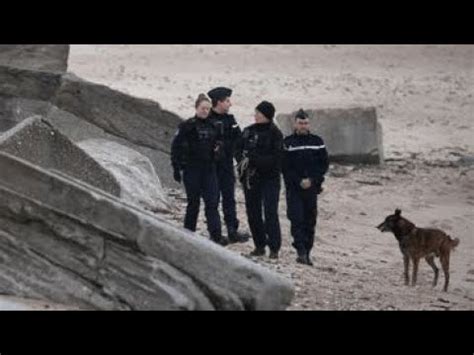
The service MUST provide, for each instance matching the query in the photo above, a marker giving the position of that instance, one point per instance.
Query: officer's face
(302, 126)
(224, 105)
(202, 111)
(260, 118)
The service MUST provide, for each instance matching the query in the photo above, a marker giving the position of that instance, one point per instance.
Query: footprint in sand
(446, 308)
(327, 269)
(387, 252)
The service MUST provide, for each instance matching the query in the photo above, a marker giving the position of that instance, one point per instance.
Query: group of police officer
(202, 156)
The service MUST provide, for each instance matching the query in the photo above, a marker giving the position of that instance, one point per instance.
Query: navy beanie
(267, 109)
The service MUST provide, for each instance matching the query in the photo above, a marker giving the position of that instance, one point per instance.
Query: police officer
(259, 154)
(229, 132)
(304, 165)
(195, 149)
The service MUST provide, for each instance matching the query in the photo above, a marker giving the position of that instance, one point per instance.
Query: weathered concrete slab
(139, 183)
(37, 141)
(143, 124)
(52, 57)
(14, 110)
(28, 84)
(351, 135)
(92, 250)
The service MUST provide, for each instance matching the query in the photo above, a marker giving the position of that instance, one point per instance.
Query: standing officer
(259, 154)
(194, 150)
(304, 165)
(228, 133)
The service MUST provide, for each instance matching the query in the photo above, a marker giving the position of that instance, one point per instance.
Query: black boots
(273, 255)
(258, 252)
(261, 252)
(236, 237)
(303, 258)
(219, 239)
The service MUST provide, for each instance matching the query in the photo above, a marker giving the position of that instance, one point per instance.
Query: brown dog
(416, 243)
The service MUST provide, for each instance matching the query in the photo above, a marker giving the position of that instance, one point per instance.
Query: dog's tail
(453, 242)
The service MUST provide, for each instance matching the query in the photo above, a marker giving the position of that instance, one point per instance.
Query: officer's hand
(177, 176)
(219, 145)
(305, 184)
(219, 151)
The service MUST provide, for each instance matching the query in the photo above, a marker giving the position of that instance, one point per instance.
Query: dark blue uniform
(305, 157)
(193, 151)
(229, 133)
(262, 144)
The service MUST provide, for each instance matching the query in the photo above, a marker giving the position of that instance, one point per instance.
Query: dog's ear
(398, 212)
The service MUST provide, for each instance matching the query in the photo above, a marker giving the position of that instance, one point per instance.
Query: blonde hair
(201, 98)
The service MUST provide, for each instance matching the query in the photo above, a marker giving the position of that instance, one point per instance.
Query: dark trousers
(264, 195)
(201, 181)
(302, 212)
(226, 184)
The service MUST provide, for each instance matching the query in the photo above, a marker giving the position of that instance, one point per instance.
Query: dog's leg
(406, 263)
(416, 261)
(431, 262)
(444, 258)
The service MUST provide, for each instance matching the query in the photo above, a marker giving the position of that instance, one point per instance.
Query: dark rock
(40, 57)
